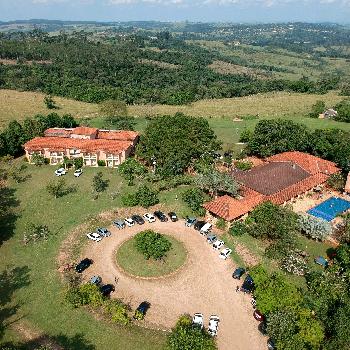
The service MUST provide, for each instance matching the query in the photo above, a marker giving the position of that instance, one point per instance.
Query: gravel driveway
(204, 284)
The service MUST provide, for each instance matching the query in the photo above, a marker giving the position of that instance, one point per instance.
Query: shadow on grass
(10, 281)
(8, 218)
(76, 342)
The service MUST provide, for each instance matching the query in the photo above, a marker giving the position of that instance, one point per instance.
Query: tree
(215, 181)
(186, 337)
(113, 108)
(316, 109)
(78, 162)
(57, 188)
(130, 169)
(152, 244)
(313, 227)
(12, 139)
(272, 221)
(99, 184)
(49, 102)
(173, 143)
(343, 109)
(276, 136)
(194, 198)
(146, 197)
(38, 159)
(336, 181)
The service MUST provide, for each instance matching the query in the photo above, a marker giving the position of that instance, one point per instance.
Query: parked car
(211, 239)
(320, 260)
(60, 172)
(198, 225)
(225, 253)
(238, 273)
(103, 232)
(107, 289)
(94, 236)
(198, 320)
(190, 221)
(271, 344)
(143, 308)
(83, 265)
(160, 215)
(173, 217)
(218, 244)
(149, 217)
(129, 222)
(213, 325)
(258, 315)
(138, 219)
(205, 229)
(96, 280)
(78, 172)
(119, 224)
(248, 285)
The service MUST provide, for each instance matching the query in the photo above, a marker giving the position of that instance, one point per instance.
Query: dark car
(172, 216)
(83, 265)
(138, 219)
(258, 316)
(271, 344)
(107, 289)
(198, 225)
(160, 215)
(248, 285)
(143, 307)
(190, 221)
(238, 273)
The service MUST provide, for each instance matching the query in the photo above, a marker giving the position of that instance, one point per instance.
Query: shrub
(138, 315)
(78, 162)
(57, 188)
(152, 244)
(49, 102)
(38, 159)
(117, 311)
(129, 200)
(185, 336)
(194, 198)
(35, 232)
(243, 165)
(238, 228)
(99, 184)
(85, 294)
(221, 224)
(336, 181)
(146, 197)
(101, 162)
(313, 227)
(295, 264)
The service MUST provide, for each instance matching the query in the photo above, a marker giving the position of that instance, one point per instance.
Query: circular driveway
(204, 284)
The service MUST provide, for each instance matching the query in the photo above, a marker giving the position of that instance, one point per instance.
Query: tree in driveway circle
(152, 244)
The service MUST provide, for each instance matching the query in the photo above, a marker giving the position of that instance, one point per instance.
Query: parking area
(204, 284)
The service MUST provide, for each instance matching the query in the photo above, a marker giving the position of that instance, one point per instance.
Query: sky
(337, 11)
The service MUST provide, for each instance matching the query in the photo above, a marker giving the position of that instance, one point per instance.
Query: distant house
(328, 114)
(91, 144)
(281, 178)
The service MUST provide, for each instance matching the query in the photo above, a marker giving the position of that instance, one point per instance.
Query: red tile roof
(319, 171)
(58, 132)
(121, 135)
(57, 144)
(308, 162)
(83, 130)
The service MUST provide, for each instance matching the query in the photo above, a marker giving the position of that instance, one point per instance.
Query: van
(206, 229)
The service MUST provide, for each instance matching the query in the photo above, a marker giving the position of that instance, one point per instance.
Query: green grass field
(41, 302)
(134, 263)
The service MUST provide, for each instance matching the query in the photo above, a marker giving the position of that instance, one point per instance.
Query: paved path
(203, 285)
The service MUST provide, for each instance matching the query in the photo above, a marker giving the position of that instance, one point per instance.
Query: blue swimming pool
(330, 208)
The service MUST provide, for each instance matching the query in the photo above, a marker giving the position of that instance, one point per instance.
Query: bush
(238, 228)
(194, 198)
(35, 232)
(57, 188)
(117, 311)
(99, 184)
(313, 227)
(295, 264)
(174, 182)
(152, 244)
(243, 165)
(85, 294)
(146, 197)
(101, 162)
(221, 224)
(78, 162)
(185, 336)
(129, 200)
(38, 159)
(337, 182)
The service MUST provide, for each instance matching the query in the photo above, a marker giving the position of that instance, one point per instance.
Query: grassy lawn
(40, 303)
(134, 263)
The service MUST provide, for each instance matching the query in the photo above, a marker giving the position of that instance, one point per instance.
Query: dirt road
(203, 285)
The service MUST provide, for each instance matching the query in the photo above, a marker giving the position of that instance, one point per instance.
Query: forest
(148, 66)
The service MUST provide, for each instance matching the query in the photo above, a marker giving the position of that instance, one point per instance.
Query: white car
(60, 172)
(213, 325)
(129, 222)
(225, 253)
(198, 320)
(78, 172)
(218, 244)
(149, 217)
(94, 236)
